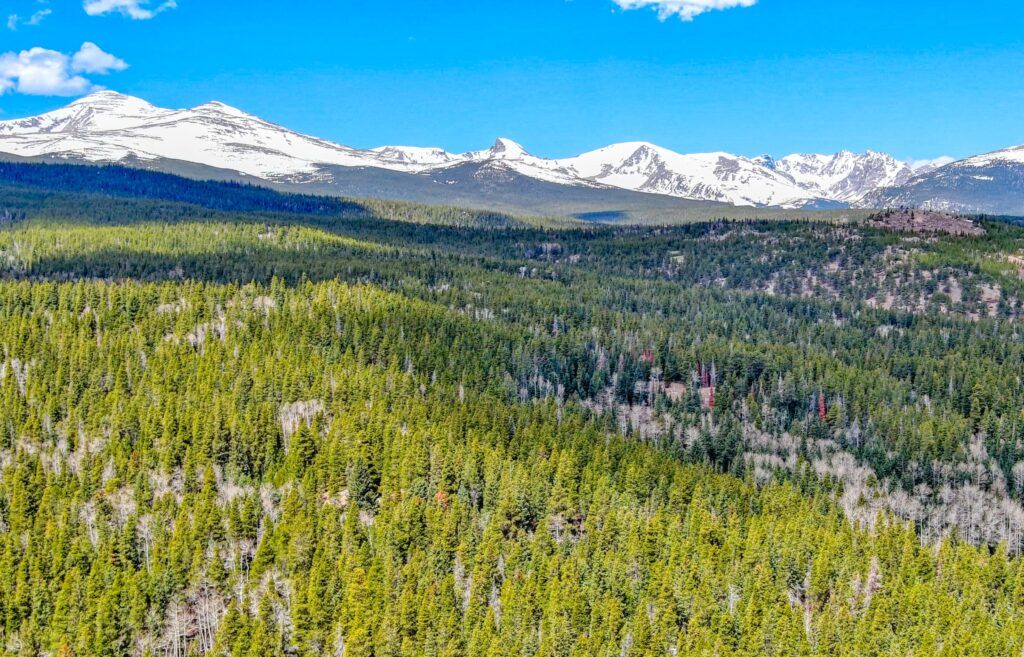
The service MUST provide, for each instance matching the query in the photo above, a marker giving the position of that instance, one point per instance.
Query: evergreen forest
(240, 423)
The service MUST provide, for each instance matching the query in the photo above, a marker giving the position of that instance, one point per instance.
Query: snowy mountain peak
(103, 110)
(109, 99)
(506, 149)
(217, 107)
(107, 126)
(845, 176)
(991, 183)
(414, 155)
(638, 149)
(114, 108)
(1013, 154)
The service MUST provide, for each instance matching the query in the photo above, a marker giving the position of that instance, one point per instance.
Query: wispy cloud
(44, 72)
(918, 165)
(14, 20)
(686, 10)
(139, 10)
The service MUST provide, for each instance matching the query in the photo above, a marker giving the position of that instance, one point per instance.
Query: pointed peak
(644, 150)
(507, 148)
(626, 150)
(634, 146)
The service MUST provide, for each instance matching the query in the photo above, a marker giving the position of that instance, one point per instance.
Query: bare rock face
(845, 176)
(910, 220)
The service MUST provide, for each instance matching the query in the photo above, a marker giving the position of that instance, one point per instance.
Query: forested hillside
(266, 431)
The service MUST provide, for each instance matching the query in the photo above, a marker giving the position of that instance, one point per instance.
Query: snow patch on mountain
(845, 176)
(1013, 155)
(724, 177)
(414, 155)
(111, 127)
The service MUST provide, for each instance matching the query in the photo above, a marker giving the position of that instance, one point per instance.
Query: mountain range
(217, 141)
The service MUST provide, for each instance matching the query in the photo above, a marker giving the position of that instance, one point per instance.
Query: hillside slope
(284, 433)
(990, 184)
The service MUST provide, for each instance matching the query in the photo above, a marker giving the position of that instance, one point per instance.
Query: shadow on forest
(411, 226)
(290, 265)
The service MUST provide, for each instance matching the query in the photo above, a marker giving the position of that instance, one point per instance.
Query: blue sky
(917, 78)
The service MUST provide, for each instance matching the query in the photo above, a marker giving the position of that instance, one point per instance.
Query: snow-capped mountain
(414, 156)
(845, 176)
(720, 177)
(1014, 155)
(111, 127)
(992, 183)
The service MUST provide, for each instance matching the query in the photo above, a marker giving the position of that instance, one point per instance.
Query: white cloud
(918, 165)
(43, 72)
(91, 59)
(138, 10)
(687, 10)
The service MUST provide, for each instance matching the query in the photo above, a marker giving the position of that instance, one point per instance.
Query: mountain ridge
(990, 183)
(112, 128)
(109, 127)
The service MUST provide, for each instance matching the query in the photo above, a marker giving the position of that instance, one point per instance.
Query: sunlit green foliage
(268, 434)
